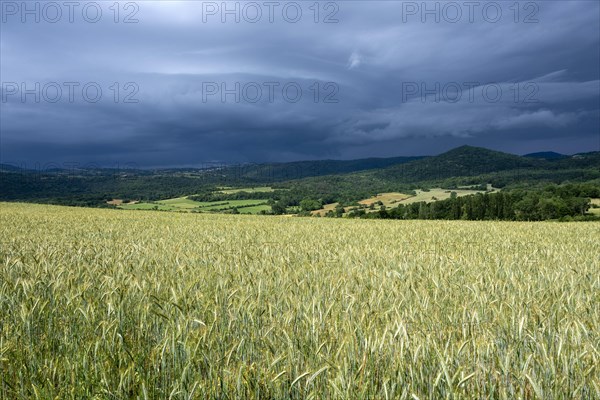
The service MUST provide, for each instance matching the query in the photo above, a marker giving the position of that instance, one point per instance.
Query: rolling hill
(335, 180)
(461, 161)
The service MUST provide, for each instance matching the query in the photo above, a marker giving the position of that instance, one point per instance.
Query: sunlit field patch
(184, 204)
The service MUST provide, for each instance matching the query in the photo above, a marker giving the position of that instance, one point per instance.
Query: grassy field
(181, 203)
(595, 211)
(116, 304)
(388, 199)
(325, 209)
(254, 209)
(438, 194)
(226, 205)
(260, 189)
(393, 199)
(187, 205)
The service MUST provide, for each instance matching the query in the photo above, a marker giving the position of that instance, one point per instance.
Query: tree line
(552, 202)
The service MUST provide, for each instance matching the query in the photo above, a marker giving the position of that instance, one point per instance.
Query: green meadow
(184, 204)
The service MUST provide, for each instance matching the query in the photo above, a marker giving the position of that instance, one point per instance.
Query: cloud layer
(192, 82)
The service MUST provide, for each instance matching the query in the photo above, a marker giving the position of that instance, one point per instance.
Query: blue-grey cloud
(181, 87)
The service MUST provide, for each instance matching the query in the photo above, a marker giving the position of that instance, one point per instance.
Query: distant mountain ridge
(465, 165)
(285, 170)
(546, 155)
(460, 160)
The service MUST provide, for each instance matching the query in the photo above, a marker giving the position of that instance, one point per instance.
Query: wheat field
(116, 304)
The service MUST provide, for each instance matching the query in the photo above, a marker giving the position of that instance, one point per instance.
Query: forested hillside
(322, 182)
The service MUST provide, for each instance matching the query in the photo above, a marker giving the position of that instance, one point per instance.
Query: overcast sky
(189, 82)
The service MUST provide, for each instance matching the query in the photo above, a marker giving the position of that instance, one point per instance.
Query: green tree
(277, 208)
(308, 204)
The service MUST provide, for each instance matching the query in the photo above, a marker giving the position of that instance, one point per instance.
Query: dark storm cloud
(386, 79)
